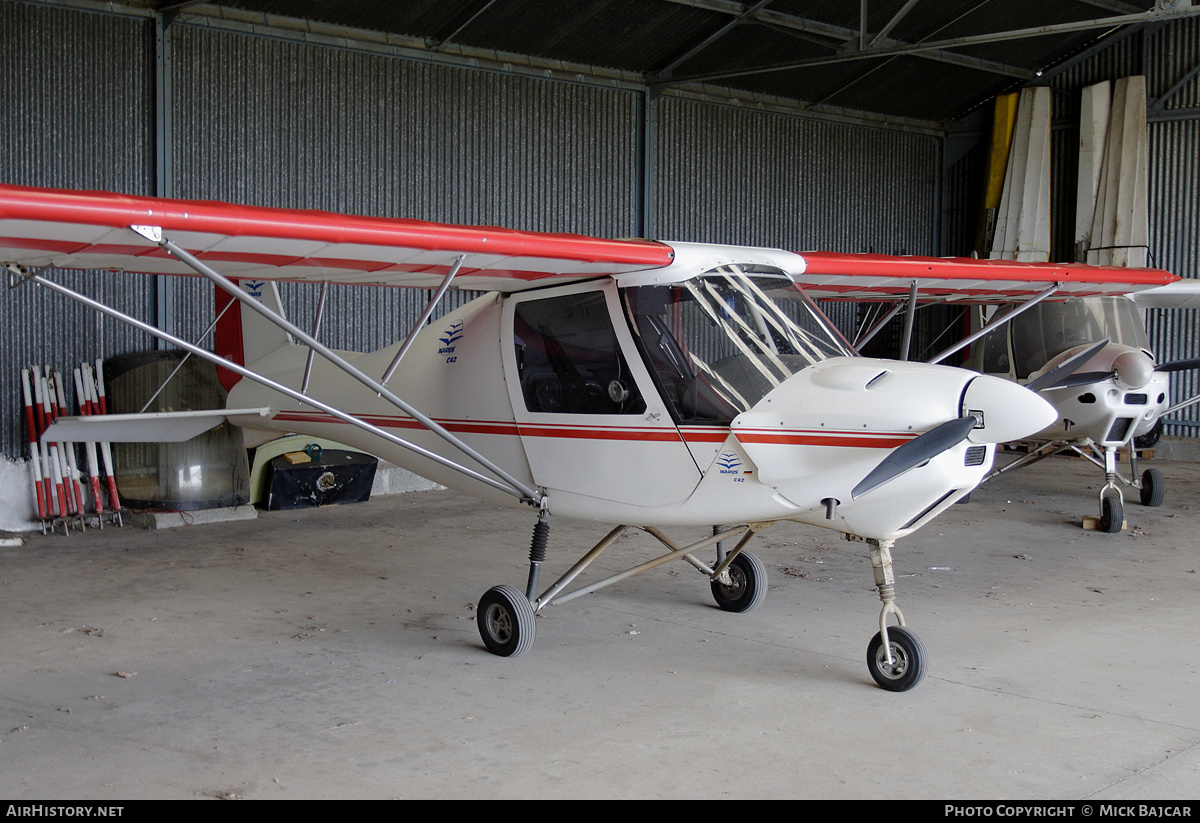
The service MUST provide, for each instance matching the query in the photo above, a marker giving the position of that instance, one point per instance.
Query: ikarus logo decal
(449, 341)
(731, 465)
(254, 288)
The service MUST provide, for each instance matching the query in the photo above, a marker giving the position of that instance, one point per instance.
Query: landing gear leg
(1151, 486)
(537, 554)
(506, 617)
(896, 656)
(1112, 504)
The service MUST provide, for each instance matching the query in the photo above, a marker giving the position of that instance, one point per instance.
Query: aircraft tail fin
(243, 336)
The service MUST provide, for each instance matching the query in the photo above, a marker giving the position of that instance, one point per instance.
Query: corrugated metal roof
(927, 60)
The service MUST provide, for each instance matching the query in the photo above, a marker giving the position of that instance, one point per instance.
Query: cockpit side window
(569, 360)
(659, 328)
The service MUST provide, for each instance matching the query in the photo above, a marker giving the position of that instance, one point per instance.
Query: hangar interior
(797, 124)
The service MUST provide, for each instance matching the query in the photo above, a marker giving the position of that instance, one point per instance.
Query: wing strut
(433, 301)
(870, 333)
(516, 489)
(909, 314)
(179, 365)
(154, 234)
(317, 318)
(997, 323)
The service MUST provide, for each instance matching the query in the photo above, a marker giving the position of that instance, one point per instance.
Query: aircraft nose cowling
(1132, 369)
(1009, 411)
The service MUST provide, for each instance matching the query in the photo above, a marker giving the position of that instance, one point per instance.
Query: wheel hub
(499, 622)
(735, 585)
(899, 665)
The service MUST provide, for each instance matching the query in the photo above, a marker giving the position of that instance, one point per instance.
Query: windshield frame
(717, 343)
(1050, 328)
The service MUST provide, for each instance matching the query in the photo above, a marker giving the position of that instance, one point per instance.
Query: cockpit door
(589, 416)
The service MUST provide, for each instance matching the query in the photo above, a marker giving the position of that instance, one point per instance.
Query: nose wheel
(1112, 513)
(908, 659)
(896, 656)
(1150, 485)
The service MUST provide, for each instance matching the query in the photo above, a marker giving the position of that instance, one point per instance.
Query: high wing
(92, 230)
(1182, 294)
(867, 277)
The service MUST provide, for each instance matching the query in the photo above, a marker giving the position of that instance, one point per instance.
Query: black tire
(1153, 488)
(909, 655)
(1147, 440)
(747, 587)
(506, 619)
(1112, 515)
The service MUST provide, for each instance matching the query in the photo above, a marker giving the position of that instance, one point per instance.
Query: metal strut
(516, 491)
(997, 322)
(537, 554)
(554, 593)
(885, 582)
(154, 234)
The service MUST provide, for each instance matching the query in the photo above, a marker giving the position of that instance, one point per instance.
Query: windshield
(1049, 329)
(720, 342)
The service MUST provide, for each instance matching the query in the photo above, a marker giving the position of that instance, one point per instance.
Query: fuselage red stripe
(857, 441)
(863, 440)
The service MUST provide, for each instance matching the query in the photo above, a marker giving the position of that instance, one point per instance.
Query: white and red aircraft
(643, 383)
(1088, 355)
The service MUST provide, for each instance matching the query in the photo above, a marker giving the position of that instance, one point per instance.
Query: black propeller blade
(1058, 377)
(917, 451)
(1081, 379)
(1179, 365)
(1085, 377)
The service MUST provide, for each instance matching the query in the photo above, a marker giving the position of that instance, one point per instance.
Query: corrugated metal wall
(281, 123)
(1175, 199)
(729, 175)
(1175, 245)
(76, 107)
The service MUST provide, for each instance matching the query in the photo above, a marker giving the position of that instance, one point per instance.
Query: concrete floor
(333, 653)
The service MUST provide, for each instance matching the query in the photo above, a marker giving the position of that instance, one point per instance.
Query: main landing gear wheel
(1147, 440)
(506, 621)
(747, 584)
(909, 659)
(1112, 514)
(1153, 488)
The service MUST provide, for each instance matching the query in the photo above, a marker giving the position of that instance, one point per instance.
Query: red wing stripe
(119, 211)
(820, 264)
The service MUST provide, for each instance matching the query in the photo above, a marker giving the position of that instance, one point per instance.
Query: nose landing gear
(896, 656)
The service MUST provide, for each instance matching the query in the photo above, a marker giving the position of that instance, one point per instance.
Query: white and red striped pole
(72, 459)
(57, 461)
(64, 466)
(95, 385)
(34, 456)
(39, 407)
(89, 447)
(100, 386)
